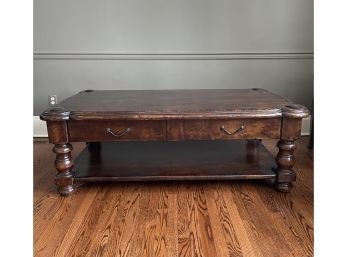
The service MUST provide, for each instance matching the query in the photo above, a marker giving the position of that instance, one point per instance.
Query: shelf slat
(188, 160)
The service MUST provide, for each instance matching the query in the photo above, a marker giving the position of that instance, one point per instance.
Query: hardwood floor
(238, 218)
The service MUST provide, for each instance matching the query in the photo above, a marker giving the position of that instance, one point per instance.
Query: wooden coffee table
(174, 135)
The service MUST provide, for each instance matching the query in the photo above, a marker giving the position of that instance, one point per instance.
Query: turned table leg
(285, 160)
(64, 165)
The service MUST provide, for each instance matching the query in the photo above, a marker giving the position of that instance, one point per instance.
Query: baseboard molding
(40, 129)
(306, 126)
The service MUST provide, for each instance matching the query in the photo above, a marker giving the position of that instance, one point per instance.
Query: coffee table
(146, 135)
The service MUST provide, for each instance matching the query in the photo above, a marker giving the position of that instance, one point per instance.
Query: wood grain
(96, 131)
(201, 219)
(173, 104)
(195, 236)
(195, 160)
(252, 128)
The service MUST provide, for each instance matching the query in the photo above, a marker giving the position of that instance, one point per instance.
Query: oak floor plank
(103, 230)
(195, 236)
(52, 216)
(78, 225)
(224, 199)
(296, 208)
(301, 227)
(280, 222)
(156, 222)
(217, 222)
(173, 219)
(188, 244)
(44, 171)
(255, 215)
(137, 246)
(156, 226)
(122, 228)
(203, 219)
(222, 220)
(212, 218)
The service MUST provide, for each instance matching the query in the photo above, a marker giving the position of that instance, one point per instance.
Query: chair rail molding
(171, 55)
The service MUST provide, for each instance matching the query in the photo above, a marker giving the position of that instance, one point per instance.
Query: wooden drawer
(232, 129)
(95, 131)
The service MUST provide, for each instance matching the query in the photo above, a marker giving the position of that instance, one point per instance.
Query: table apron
(173, 130)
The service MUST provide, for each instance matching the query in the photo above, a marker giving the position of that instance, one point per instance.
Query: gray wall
(166, 44)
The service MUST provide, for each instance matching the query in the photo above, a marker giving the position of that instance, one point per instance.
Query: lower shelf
(188, 160)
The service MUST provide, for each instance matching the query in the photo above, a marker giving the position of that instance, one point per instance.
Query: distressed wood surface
(173, 104)
(97, 131)
(189, 160)
(220, 218)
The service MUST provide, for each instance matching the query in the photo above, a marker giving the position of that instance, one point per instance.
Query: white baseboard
(306, 126)
(40, 129)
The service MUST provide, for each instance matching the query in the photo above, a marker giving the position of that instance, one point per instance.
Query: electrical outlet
(52, 100)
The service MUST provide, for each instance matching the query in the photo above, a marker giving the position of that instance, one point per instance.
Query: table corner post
(64, 165)
(285, 160)
(290, 132)
(57, 128)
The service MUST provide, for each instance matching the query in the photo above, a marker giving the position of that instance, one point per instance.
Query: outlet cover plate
(52, 100)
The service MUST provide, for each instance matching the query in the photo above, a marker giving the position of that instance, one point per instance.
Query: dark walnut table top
(174, 104)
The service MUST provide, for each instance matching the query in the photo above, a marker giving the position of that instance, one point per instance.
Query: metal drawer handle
(118, 134)
(242, 127)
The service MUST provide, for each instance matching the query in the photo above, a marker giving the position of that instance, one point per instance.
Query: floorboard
(173, 218)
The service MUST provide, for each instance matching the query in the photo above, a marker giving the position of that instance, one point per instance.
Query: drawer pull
(118, 134)
(242, 127)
